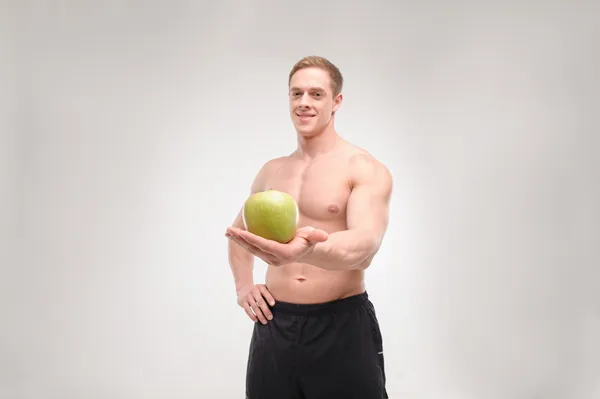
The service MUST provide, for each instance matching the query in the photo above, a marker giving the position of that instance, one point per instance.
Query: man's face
(311, 101)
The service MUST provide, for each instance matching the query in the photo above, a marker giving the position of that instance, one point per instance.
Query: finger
(253, 300)
(272, 252)
(267, 257)
(249, 312)
(313, 235)
(267, 295)
(268, 246)
(258, 312)
(317, 235)
(245, 244)
(260, 302)
(232, 231)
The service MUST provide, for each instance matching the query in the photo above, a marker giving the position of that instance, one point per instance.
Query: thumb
(315, 236)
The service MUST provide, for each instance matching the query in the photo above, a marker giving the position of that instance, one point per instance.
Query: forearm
(344, 250)
(242, 265)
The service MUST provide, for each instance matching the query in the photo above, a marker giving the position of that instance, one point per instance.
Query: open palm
(275, 253)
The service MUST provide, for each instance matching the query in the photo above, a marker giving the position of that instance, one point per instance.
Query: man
(316, 334)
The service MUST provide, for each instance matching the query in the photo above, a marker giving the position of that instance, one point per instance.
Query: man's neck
(311, 147)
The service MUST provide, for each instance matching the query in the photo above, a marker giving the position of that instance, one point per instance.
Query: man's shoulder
(274, 163)
(361, 160)
(266, 170)
(365, 167)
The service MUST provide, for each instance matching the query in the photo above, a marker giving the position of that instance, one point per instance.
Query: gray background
(130, 135)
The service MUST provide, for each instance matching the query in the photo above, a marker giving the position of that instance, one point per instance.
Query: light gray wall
(124, 125)
(11, 226)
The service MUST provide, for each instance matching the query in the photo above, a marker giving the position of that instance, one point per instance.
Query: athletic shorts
(331, 350)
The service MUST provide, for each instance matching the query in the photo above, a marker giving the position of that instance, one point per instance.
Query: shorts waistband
(350, 302)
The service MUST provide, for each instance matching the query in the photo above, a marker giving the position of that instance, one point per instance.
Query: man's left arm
(367, 215)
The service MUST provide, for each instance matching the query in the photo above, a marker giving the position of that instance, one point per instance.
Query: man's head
(315, 87)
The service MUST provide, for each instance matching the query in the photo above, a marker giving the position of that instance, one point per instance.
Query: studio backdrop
(131, 133)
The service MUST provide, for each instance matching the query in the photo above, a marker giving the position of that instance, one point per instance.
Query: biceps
(368, 210)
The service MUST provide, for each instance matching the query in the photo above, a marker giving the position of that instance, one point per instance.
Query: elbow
(371, 249)
(365, 263)
(237, 253)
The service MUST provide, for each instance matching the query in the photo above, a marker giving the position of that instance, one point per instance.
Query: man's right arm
(242, 262)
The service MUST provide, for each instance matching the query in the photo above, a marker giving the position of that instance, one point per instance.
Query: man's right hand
(253, 300)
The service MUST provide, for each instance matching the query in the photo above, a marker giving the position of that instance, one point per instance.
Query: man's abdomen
(302, 283)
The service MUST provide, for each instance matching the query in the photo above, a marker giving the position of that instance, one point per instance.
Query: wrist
(243, 286)
(315, 254)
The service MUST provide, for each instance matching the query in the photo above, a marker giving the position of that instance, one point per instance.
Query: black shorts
(318, 351)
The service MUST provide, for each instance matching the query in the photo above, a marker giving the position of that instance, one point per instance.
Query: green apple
(272, 215)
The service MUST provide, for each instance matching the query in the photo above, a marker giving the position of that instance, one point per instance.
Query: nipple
(333, 209)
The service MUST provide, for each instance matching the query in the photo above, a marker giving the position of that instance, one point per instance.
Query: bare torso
(321, 188)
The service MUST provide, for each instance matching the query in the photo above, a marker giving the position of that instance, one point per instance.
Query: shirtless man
(316, 335)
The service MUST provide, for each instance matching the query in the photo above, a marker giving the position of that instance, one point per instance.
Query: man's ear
(337, 103)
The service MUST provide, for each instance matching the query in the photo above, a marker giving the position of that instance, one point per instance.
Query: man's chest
(321, 190)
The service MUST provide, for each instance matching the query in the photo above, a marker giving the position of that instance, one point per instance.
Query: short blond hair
(313, 61)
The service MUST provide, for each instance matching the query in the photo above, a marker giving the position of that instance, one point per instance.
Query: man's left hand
(275, 253)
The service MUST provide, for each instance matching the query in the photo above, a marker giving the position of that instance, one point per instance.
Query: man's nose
(303, 101)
